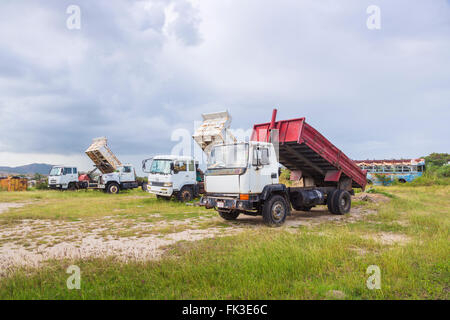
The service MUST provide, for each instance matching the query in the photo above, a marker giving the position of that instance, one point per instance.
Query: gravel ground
(32, 242)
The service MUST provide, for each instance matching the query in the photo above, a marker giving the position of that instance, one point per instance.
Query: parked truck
(173, 176)
(114, 177)
(63, 178)
(180, 176)
(243, 177)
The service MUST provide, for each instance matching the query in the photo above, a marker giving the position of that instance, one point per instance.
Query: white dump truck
(180, 176)
(115, 175)
(63, 178)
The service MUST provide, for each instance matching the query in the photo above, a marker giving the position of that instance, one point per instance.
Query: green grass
(283, 263)
(82, 205)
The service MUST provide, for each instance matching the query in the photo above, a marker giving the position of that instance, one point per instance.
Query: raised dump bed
(214, 130)
(306, 152)
(102, 156)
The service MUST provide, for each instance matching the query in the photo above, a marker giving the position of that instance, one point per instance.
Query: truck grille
(157, 184)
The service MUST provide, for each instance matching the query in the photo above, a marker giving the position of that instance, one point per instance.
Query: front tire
(229, 215)
(275, 211)
(113, 188)
(72, 187)
(186, 194)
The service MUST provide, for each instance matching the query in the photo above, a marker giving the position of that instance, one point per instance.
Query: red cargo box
(301, 147)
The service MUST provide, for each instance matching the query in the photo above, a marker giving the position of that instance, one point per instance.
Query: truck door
(181, 174)
(264, 173)
(127, 174)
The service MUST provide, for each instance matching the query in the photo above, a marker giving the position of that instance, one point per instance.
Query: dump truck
(243, 177)
(115, 175)
(180, 176)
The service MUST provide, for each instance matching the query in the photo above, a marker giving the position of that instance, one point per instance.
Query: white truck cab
(241, 168)
(170, 175)
(63, 177)
(123, 178)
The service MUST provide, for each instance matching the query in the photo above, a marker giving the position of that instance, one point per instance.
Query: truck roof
(172, 157)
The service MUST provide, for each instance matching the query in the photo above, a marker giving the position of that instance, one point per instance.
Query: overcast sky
(138, 70)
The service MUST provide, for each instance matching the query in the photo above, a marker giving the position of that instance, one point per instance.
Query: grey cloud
(139, 69)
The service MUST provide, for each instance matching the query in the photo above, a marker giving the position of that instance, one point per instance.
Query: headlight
(149, 183)
(167, 184)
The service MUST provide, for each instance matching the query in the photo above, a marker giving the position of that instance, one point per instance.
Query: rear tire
(330, 201)
(186, 194)
(229, 215)
(341, 202)
(113, 188)
(275, 211)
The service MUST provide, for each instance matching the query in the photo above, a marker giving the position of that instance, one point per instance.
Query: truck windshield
(228, 156)
(56, 171)
(160, 166)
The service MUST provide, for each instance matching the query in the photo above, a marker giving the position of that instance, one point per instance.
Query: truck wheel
(341, 202)
(186, 194)
(113, 188)
(229, 214)
(330, 201)
(275, 211)
(72, 187)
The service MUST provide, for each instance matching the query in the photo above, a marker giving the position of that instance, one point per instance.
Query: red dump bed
(303, 148)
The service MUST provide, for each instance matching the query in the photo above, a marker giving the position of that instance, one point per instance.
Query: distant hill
(33, 168)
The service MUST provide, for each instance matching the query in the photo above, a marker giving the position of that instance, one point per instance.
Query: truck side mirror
(172, 168)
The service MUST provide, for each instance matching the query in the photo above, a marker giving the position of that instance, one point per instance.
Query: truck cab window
(191, 166)
(265, 156)
(180, 166)
(127, 169)
(67, 170)
(74, 170)
(261, 157)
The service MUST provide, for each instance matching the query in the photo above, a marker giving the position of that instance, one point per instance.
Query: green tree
(437, 159)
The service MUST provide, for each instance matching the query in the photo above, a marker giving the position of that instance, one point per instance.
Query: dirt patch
(5, 206)
(335, 294)
(371, 197)
(32, 242)
(389, 238)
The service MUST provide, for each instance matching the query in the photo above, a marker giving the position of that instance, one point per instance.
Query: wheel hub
(277, 211)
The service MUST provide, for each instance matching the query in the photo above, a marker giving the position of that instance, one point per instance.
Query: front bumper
(160, 191)
(54, 186)
(210, 202)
